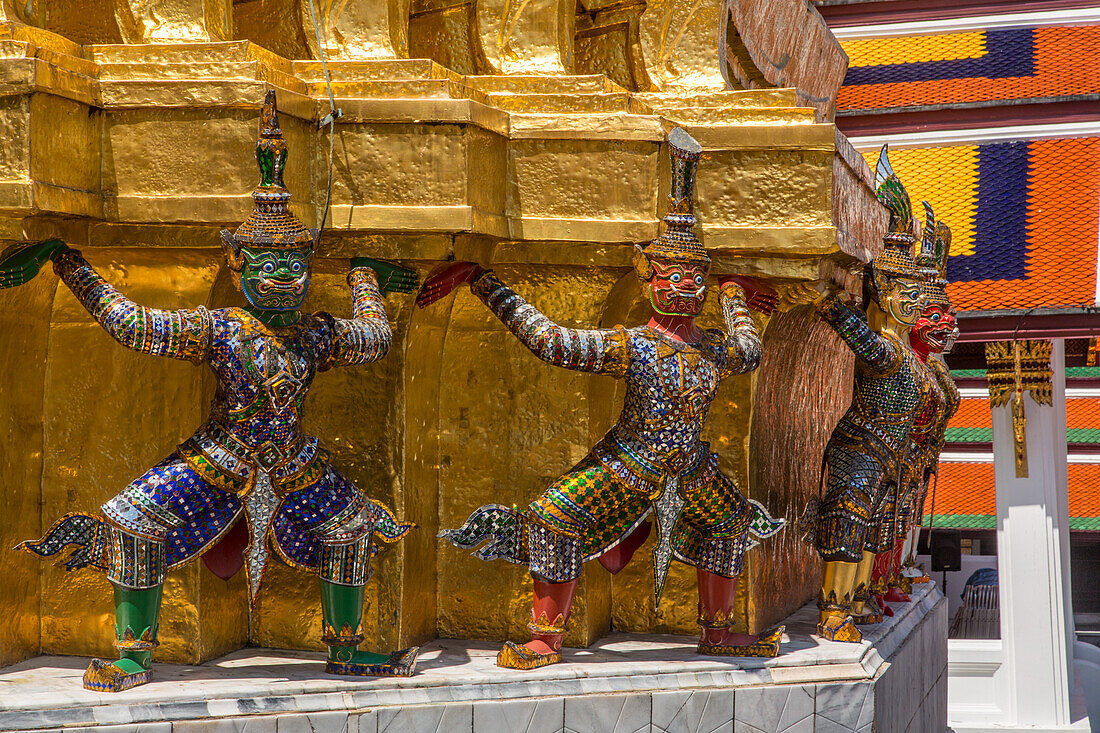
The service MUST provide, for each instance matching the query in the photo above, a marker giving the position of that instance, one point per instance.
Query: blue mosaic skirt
(172, 503)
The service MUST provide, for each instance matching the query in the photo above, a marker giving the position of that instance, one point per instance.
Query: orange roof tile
(973, 412)
(964, 488)
(980, 66)
(967, 490)
(1023, 217)
(1083, 413)
(1084, 490)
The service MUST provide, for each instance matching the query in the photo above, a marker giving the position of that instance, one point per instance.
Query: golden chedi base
(126, 141)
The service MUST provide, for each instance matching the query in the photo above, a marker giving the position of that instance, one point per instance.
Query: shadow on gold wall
(803, 387)
(110, 414)
(510, 425)
(24, 337)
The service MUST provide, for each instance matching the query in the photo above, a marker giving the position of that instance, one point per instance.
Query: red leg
(549, 612)
(619, 556)
(895, 594)
(880, 574)
(717, 595)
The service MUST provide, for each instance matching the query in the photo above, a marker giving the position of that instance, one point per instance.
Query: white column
(1033, 561)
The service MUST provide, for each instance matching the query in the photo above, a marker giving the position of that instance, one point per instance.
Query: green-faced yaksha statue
(249, 462)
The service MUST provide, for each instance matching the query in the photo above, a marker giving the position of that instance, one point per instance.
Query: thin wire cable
(329, 119)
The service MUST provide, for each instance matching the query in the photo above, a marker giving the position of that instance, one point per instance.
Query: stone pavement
(894, 681)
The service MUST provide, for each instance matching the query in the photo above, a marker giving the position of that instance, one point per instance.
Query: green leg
(137, 615)
(136, 619)
(342, 611)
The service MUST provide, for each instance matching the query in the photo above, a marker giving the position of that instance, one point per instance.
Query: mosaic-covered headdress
(932, 260)
(678, 243)
(896, 258)
(271, 225)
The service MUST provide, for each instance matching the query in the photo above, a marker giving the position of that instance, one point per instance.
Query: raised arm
(876, 352)
(181, 334)
(743, 344)
(366, 336)
(600, 351)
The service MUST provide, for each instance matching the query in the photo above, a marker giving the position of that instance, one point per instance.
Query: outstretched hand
(758, 296)
(19, 264)
(391, 278)
(445, 279)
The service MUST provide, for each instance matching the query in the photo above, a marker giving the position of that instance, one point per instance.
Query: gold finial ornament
(1015, 367)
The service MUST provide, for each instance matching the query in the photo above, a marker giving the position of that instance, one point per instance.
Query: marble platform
(894, 682)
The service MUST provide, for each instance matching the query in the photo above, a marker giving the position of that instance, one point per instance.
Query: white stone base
(894, 682)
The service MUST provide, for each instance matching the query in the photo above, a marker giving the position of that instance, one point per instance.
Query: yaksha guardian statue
(934, 333)
(250, 461)
(652, 462)
(869, 448)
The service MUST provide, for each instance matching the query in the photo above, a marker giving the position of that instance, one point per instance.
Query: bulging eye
(269, 268)
(296, 267)
(699, 279)
(675, 278)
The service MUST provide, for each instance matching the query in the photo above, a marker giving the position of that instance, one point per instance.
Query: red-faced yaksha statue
(652, 462)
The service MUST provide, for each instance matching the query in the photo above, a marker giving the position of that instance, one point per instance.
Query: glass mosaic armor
(250, 464)
(903, 495)
(250, 458)
(652, 460)
(869, 454)
(870, 445)
(951, 403)
(894, 513)
(935, 247)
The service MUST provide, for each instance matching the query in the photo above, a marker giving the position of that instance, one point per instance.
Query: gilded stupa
(529, 137)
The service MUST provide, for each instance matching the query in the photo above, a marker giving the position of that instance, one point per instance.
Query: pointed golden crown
(932, 260)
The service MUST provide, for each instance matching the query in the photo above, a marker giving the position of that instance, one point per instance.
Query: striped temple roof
(996, 64)
(965, 489)
(1023, 216)
(1023, 212)
(965, 497)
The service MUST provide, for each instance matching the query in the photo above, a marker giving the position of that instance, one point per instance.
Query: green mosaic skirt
(588, 504)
